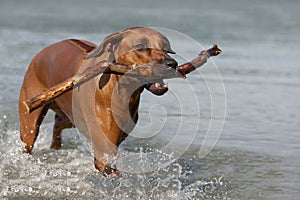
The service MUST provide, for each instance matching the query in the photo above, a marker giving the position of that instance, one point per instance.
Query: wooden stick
(198, 61)
(148, 72)
(155, 71)
(73, 82)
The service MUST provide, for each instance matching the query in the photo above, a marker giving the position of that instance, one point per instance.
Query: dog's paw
(111, 172)
(106, 170)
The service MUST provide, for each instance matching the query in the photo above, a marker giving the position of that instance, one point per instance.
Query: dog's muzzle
(158, 87)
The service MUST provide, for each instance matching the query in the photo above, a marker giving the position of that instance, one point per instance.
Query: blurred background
(257, 155)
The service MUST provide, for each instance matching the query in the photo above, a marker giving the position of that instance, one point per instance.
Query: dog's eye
(140, 47)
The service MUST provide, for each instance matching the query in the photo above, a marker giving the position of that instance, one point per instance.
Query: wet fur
(64, 59)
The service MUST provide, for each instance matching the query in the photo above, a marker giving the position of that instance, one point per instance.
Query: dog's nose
(171, 63)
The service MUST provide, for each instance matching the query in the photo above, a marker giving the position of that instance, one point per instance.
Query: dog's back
(59, 61)
(49, 67)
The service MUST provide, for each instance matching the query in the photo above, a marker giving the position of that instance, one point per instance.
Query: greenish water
(257, 155)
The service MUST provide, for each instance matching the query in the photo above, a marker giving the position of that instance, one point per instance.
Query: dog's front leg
(105, 137)
(105, 158)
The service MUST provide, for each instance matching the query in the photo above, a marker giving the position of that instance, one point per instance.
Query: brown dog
(56, 63)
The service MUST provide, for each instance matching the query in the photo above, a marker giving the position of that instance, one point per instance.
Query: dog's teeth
(134, 66)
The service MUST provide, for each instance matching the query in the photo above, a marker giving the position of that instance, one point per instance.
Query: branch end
(28, 111)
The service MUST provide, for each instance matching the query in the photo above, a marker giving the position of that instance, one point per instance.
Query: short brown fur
(64, 59)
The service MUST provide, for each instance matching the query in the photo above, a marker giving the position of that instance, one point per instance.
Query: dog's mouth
(158, 87)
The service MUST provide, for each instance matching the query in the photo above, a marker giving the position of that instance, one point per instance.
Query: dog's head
(137, 47)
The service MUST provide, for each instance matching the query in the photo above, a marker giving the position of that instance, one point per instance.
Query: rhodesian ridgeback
(105, 108)
(59, 61)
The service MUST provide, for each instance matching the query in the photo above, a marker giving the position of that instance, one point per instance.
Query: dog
(133, 47)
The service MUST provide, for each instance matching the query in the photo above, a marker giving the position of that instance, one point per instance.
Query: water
(257, 155)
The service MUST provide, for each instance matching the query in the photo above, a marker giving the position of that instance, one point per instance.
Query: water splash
(69, 172)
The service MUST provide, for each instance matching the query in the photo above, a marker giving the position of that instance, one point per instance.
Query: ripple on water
(69, 173)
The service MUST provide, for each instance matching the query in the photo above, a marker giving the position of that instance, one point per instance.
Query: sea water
(257, 153)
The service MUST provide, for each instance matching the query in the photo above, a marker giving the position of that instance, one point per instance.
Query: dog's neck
(126, 93)
(125, 101)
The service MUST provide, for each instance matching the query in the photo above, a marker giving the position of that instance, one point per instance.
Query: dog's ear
(103, 80)
(106, 46)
